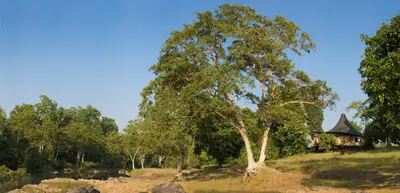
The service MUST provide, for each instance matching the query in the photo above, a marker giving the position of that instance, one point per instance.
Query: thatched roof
(344, 127)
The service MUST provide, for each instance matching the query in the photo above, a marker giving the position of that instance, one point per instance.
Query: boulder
(168, 188)
(85, 189)
(121, 172)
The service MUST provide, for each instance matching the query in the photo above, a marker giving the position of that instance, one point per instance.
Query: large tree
(380, 73)
(223, 57)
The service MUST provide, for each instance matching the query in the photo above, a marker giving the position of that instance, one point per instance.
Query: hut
(345, 133)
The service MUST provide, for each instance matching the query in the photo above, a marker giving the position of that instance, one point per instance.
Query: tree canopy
(220, 59)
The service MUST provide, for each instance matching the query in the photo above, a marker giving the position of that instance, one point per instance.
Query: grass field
(372, 171)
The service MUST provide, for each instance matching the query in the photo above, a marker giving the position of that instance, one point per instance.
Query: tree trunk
(78, 158)
(251, 164)
(55, 154)
(388, 142)
(142, 157)
(264, 143)
(83, 158)
(160, 159)
(133, 161)
(179, 173)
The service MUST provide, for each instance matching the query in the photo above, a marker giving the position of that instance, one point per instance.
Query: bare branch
(299, 102)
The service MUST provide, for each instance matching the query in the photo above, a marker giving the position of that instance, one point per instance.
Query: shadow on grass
(214, 173)
(351, 172)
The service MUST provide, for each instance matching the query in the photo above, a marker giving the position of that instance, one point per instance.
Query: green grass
(135, 173)
(379, 168)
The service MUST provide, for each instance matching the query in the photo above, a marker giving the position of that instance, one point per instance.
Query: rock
(168, 188)
(120, 172)
(96, 171)
(14, 191)
(85, 189)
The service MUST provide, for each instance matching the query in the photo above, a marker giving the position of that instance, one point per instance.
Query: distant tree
(8, 151)
(115, 148)
(380, 73)
(3, 118)
(108, 125)
(23, 122)
(131, 142)
(173, 112)
(84, 131)
(49, 118)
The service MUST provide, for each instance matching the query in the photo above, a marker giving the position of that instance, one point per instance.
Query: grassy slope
(376, 169)
(372, 171)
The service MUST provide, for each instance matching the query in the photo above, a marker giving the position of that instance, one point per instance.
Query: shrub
(10, 179)
(327, 141)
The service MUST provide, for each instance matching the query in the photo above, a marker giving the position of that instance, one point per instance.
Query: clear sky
(98, 52)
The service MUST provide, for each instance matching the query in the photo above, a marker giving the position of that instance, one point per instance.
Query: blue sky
(98, 52)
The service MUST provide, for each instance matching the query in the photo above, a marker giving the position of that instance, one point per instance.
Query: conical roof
(344, 126)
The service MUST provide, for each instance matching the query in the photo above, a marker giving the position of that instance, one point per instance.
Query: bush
(327, 141)
(10, 179)
(36, 163)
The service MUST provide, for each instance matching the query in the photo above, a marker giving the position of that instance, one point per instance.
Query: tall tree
(221, 57)
(380, 73)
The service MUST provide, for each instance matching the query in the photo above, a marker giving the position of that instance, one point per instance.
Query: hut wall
(347, 140)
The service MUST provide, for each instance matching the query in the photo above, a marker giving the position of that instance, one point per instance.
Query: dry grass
(375, 171)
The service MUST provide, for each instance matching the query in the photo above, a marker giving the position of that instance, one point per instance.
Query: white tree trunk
(142, 158)
(83, 158)
(160, 159)
(251, 164)
(133, 161)
(264, 142)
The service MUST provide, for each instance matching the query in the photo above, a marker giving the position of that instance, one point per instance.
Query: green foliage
(3, 118)
(108, 125)
(327, 141)
(35, 163)
(217, 60)
(315, 117)
(380, 73)
(219, 139)
(10, 178)
(356, 126)
(285, 142)
(135, 173)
